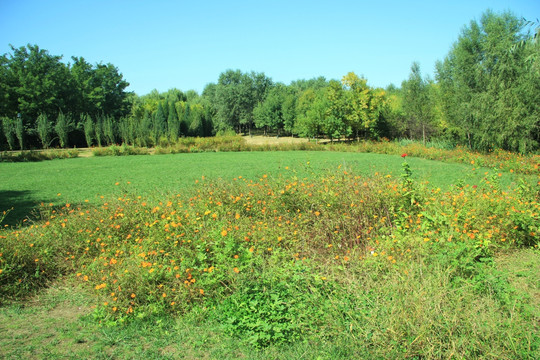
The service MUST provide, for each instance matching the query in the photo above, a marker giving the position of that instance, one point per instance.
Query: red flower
(403, 155)
(475, 186)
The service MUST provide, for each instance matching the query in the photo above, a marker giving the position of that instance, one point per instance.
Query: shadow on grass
(18, 205)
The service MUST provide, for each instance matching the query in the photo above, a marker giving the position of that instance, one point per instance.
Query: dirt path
(272, 140)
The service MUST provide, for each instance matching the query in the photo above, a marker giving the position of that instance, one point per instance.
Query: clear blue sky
(162, 44)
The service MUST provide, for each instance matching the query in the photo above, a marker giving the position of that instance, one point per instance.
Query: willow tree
(490, 91)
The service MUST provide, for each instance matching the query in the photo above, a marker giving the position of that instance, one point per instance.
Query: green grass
(308, 255)
(59, 323)
(25, 185)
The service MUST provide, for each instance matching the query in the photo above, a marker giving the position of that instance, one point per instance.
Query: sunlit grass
(311, 255)
(26, 185)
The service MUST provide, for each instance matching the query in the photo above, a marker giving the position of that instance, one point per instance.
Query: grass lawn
(25, 185)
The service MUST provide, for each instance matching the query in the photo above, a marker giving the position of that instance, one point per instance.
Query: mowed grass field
(268, 255)
(23, 186)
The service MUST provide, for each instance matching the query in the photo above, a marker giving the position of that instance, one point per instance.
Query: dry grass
(272, 140)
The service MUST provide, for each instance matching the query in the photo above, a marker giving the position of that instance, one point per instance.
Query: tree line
(485, 95)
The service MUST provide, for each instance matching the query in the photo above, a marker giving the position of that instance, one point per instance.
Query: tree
(8, 125)
(417, 104)
(35, 82)
(88, 126)
(98, 130)
(236, 95)
(43, 129)
(362, 105)
(196, 127)
(108, 91)
(159, 124)
(173, 123)
(64, 124)
(144, 130)
(337, 111)
(288, 110)
(269, 114)
(489, 89)
(312, 112)
(19, 132)
(127, 129)
(109, 129)
(186, 120)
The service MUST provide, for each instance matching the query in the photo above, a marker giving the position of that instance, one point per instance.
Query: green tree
(418, 105)
(334, 124)
(236, 95)
(19, 132)
(108, 91)
(98, 130)
(197, 125)
(186, 119)
(35, 82)
(362, 106)
(316, 106)
(173, 123)
(489, 89)
(8, 125)
(159, 124)
(88, 126)
(144, 129)
(126, 130)
(269, 113)
(109, 129)
(43, 129)
(64, 125)
(288, 110)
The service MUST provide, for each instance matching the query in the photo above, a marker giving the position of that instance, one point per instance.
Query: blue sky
(186, 44)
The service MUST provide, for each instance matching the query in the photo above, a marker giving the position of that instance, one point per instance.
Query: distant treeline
(485, 95)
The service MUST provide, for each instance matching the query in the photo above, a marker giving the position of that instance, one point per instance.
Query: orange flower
(224, 233)
(236, 270)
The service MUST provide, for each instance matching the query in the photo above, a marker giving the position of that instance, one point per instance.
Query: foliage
(64, 125)
(418, 105)
(36, 82)
(19, 132)
(8, 125)
(485, 97)
(235, 96)
(489, 92)
(38, 155)
(44, 128)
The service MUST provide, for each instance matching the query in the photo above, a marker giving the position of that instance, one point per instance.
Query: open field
(266, 255)
(25, 185)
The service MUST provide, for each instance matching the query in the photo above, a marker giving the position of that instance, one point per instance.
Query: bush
(38, 155)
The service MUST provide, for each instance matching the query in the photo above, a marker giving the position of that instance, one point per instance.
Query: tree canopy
(485, 95)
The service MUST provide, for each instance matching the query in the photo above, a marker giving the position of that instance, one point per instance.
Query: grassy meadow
(25, 185)
(265, 255)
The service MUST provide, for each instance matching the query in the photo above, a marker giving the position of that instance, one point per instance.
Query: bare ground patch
(272, 140)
